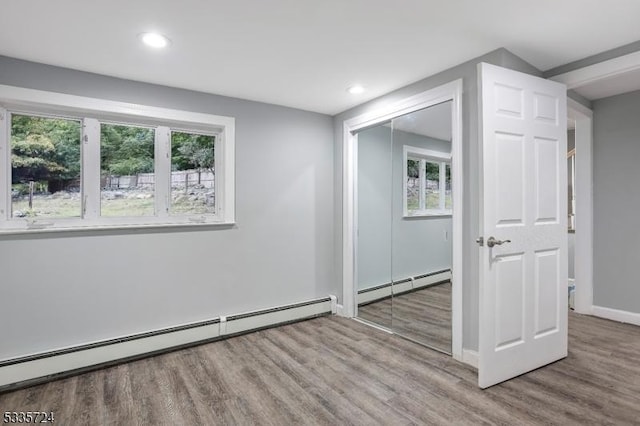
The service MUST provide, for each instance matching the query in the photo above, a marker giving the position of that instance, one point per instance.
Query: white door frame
(583, 118)
(448, 92)
(589, 75)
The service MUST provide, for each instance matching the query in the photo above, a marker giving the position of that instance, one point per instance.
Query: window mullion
(422, 178)
(162, 170)
(90, 168)
(442, 185)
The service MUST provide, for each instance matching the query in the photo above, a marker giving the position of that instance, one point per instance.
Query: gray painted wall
(468, 73)
(65, 289)
(375, 186)
(390, 246)
(616, 198)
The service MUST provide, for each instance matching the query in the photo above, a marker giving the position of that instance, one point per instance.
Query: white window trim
(424, 155)
(90, 110)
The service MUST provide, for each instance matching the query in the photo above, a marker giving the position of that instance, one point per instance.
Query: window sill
(428, 213)
(114, 227)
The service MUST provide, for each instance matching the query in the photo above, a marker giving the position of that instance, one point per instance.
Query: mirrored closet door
(374, 217)
(421, 248)
(404, 249)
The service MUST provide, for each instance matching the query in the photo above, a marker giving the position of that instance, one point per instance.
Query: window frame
(92, 112)
(425, 155)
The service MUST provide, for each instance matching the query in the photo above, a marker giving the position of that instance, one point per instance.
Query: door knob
(493, 242)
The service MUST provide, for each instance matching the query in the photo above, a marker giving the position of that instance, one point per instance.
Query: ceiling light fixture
(155, 40)
(356, 89)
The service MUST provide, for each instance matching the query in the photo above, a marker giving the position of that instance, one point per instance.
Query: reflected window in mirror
(427, 183)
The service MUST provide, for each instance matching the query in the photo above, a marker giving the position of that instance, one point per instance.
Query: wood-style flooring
(423, 315)
(336, 371)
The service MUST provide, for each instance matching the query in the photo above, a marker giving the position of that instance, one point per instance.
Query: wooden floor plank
(332, 370)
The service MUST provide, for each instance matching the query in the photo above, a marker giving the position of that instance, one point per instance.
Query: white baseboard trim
(45, 366)
(616, 315)
(470, 357)
(404, 286)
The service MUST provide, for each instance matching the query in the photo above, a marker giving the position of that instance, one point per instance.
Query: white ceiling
(304, 54)
(434, 122)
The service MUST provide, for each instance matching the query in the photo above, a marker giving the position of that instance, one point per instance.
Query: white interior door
(523, 281)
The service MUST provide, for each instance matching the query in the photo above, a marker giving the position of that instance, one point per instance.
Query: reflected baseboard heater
(46, 366)
(383, 291)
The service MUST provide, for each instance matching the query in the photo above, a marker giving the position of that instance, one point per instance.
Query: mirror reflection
(374, 224)
(404, 226)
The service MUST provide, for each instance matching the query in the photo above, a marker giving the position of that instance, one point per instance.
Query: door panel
(509, 304)
(547, 265)
(509, 150)
(523, 320)
(546, 180)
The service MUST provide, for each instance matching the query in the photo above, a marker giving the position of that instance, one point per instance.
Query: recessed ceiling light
(155, 40)
(356, 89)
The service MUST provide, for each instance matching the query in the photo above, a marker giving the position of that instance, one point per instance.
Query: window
(45, 167)
(83, 163)
(127, 170)
(427, 182)
(192, 173)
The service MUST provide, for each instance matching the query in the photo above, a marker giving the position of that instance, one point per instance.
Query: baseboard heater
(42, 367)
(383, 291)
